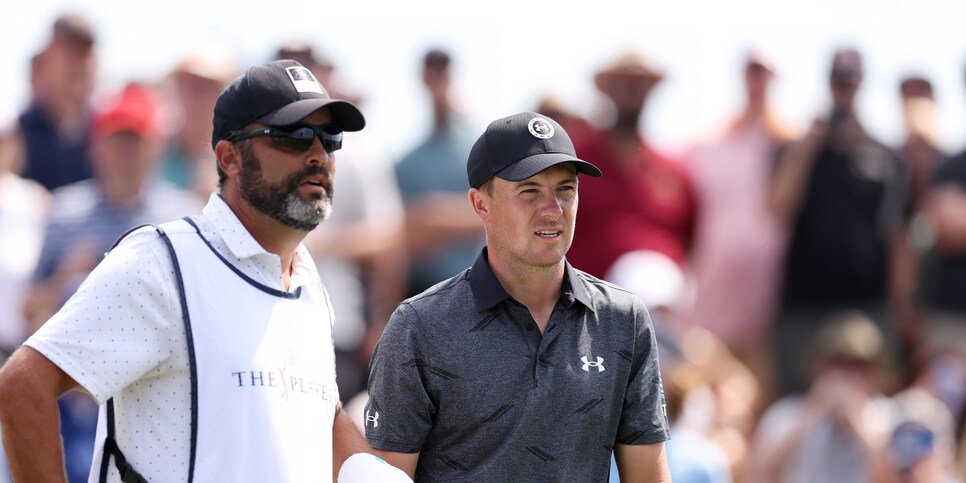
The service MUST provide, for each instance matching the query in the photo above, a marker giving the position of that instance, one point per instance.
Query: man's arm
(346, 441)
(397, 391)
(29, 388)
(944, 209)
(437, 220)
(642, 463)
(404, 461)
(353, 459)
(789, 181)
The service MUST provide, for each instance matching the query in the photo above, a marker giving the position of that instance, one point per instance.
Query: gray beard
(281, 201)
(301, 214)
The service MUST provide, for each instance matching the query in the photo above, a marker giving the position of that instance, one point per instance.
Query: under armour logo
(372, 418)
(599, 364)
(540, 128)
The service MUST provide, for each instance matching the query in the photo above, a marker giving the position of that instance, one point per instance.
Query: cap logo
(303, 80)
(540, 128)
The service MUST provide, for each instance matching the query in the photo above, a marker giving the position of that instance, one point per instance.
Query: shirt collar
(304, 271)
(230, 229)
(576, 286)
(239, 241)
(488, 292)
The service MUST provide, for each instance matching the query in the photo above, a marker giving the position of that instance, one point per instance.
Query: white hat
(653, 276)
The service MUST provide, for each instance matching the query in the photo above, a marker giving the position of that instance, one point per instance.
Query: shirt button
(529, 327)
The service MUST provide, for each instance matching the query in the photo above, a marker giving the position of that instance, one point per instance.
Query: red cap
(135, 109)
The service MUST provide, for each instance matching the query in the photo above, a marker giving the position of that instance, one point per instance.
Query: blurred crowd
(807, 287)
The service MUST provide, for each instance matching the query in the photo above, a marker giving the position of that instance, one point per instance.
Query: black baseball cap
(277, 94)
(517, 147)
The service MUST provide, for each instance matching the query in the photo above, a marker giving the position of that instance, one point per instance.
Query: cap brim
(344, 114)
(536, 163)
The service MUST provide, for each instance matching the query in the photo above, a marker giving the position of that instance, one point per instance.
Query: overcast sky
(510, 52)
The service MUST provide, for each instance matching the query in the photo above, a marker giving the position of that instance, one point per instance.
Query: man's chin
(547, 260)
(305, 215)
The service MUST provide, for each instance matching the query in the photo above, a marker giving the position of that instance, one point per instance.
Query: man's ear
(480, 202)
(228, 158)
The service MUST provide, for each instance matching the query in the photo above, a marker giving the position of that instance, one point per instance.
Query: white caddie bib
(265, 370)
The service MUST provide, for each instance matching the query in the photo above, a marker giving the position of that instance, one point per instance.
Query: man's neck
(536, 288)
(272, 235)
(121, 195)
(626, 121)
(67, 117)
(442, 115)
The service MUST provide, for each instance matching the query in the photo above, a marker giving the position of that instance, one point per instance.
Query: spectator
(940, 378)
(695, 453)
(939, 236)
(837, 427)
(920, 148)
(727, 411)
(194, 86)
(735, 233)
(922, 444)
(88, 216)
(55, 125)
(842, 194)
(23, 211)
(442, 233)
(916, 264)
(698, 452)
(646, 203)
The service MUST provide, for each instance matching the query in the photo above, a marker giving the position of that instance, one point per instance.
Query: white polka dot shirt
(122, 334)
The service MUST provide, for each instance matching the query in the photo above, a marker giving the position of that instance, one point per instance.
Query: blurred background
(510, 53)
(784, 187)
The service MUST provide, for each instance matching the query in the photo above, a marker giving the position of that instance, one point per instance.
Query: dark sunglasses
(298, 137)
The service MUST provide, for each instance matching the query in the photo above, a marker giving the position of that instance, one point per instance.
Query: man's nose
(551, 206)
(317, 154)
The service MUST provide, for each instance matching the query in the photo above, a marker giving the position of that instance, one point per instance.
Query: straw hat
(210, 60)
(629, 65)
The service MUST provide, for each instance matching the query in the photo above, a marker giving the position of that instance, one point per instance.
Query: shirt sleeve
(123, 321)
(399, 413)
(644, 418)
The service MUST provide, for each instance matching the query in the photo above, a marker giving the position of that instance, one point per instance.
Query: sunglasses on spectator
(298, 137)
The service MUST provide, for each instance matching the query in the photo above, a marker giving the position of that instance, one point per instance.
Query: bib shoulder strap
(111, 449)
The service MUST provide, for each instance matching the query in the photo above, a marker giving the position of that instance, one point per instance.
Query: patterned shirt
(463, 376)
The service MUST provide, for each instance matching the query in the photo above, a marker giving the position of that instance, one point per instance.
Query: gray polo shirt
(463, 376)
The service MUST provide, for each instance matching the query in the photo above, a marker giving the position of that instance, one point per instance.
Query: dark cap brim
(344, 114)
(536, 163)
